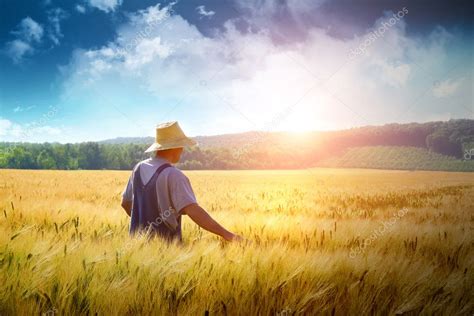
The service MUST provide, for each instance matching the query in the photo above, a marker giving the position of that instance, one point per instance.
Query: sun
(301, 121)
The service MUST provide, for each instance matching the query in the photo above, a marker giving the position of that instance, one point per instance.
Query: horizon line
(250, 131)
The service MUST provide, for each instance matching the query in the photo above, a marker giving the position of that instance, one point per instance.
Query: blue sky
(95, 69)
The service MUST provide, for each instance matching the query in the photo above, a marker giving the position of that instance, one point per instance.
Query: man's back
(158, 196)
(158, 192)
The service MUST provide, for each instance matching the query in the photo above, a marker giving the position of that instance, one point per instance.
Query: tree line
(92, 155)
(249, 151)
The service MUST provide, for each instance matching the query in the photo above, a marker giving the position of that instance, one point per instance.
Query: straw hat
(170, 135)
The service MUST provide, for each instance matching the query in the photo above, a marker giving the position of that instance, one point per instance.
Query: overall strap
(138, 176)
(158, 171)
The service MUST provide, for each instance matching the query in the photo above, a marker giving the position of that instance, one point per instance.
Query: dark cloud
(289, 20)
(423, 16)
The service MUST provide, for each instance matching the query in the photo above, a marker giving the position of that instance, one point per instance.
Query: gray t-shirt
(178, 184)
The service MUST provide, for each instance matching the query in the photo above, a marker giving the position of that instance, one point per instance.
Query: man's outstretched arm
(127, 206)
(203, 219)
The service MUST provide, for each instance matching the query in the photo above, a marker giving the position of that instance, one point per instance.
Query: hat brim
(185, 142)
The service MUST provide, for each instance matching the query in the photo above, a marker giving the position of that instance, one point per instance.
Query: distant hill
(128, 140)
(446, 137)
(214, 141)
(394, 157)
(427, 146)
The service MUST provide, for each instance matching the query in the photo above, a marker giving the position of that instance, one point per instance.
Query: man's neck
(162, 158)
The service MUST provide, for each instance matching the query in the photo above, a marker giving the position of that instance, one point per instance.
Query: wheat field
(319, 241)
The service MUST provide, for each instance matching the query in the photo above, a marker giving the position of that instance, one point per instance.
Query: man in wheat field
(158, 194)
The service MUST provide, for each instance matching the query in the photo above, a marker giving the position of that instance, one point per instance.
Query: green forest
(396, 157)
(447, 146)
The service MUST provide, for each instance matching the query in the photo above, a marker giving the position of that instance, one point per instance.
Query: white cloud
(394, 75)
(446, 88)
(248, 80)
(29, 30)
(267, 8)
(203, 13)
(80, 8)
(28, 33)
(10, 131)
(300, 15)
(47, 130)
(17, 49)
(146, 51)
(39, 129)
(55, 16)
(23, 109)
(5, 126)
(105, 5)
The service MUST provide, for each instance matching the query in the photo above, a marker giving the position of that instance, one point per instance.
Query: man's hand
(127, 206)
(203, 219)
(235, 238)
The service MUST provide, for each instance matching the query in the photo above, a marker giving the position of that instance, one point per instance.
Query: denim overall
(146, 212)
